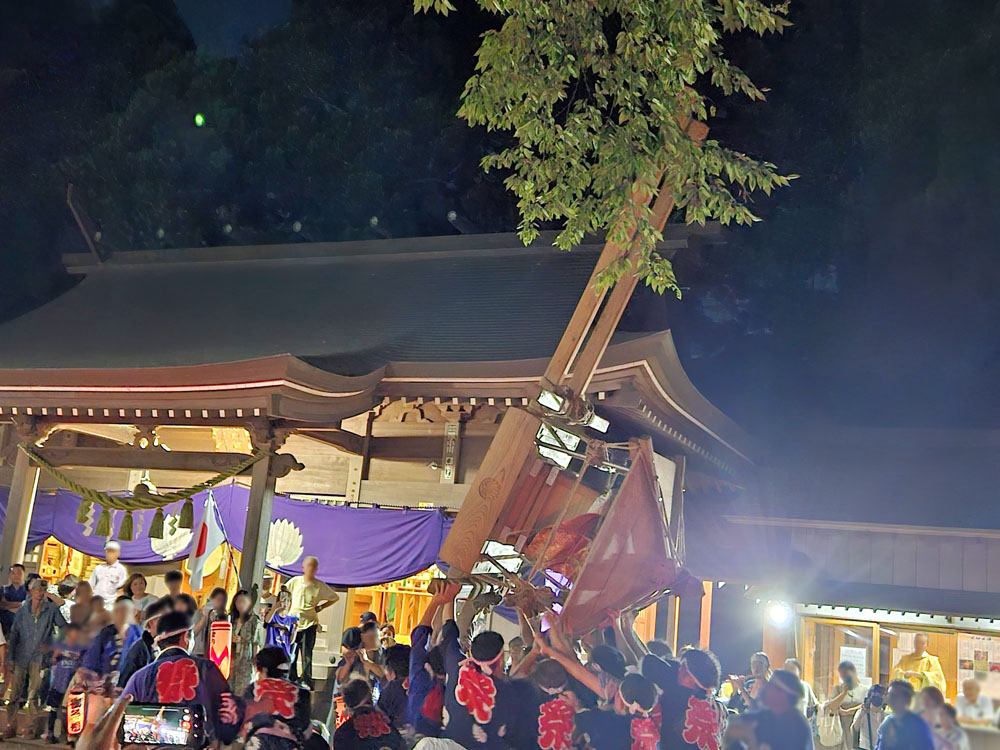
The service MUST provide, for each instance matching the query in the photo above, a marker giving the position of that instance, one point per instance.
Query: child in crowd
(65, 661)
(279, 626)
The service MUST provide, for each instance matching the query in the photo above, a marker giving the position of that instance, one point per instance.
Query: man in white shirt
(310, 596)
(108, 577)
(973, 706)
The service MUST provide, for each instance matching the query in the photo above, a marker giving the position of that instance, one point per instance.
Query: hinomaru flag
(207, 538)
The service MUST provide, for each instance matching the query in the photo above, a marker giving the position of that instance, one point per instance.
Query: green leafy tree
(597, 94)
(339, 124)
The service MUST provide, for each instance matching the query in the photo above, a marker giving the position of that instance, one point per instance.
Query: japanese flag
(207, 537)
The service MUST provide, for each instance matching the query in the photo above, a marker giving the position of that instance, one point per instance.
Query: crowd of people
(455, 686)
(94, 635)
(910, 714)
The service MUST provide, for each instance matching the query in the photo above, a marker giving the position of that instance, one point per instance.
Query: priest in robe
(919, 668)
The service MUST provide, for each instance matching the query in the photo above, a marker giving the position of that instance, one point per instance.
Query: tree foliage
(597, 94)
(338, 124)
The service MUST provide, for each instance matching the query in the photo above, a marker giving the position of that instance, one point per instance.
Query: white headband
(693, 677)
(171, 634)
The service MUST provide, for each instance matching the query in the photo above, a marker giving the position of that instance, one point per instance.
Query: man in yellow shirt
(919, 668)
(309, 597)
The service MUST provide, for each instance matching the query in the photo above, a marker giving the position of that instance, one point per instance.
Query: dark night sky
(869, 293)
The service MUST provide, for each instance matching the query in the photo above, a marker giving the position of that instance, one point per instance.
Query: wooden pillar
(20, 503)
(669, 633)
(259, 508)
(705, 626)
(694, 617)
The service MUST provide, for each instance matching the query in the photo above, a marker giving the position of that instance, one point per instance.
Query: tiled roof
(344, 307)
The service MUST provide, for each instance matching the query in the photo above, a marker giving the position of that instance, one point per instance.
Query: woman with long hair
(246, 640)
(135, 589)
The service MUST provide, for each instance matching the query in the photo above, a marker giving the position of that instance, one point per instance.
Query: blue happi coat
(178, 678)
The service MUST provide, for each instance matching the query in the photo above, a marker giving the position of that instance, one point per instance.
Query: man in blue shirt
(903, 729)
(12, 596)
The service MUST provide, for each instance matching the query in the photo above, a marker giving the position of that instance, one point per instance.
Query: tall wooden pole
(514, 442)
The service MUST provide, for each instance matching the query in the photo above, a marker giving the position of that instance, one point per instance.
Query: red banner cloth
(629, 558)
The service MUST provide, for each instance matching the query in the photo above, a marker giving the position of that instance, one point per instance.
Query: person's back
(273, 694)
(476, 702)
(691, 716)
(789, 730)
(903, 729)
(178, 678)
(366, 728)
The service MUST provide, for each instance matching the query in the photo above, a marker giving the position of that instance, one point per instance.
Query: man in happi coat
(480, 708)
(691, 718)
(178, 678)
(366, 728)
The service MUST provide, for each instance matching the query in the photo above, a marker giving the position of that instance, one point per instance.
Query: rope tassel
(156, 527)
(104, 523)
(125, 529)
(83, 512)
(187, 515)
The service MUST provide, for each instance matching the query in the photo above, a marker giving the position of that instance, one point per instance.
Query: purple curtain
(355, 546)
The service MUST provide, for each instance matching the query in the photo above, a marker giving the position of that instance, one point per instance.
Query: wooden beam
(343, 439)
(395, 492)
(584, 313)
(137, 458)
(611, 314)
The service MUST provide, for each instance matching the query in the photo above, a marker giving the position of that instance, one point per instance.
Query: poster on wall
(979, 659)
(858, 656)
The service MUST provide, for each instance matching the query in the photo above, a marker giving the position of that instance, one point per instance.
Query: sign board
(979, 660)
(858, 656)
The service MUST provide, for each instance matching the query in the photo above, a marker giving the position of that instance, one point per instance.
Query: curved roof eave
(285, 386)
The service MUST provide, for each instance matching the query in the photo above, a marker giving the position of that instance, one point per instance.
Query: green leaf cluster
(597, 95)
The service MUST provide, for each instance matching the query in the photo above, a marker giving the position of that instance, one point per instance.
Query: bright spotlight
(780, 614)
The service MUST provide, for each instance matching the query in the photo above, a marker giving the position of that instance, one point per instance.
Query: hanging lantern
(220, 646)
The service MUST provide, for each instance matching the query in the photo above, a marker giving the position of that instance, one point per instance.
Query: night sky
(867, 296)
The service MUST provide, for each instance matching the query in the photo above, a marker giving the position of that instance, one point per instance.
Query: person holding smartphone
(178, 678)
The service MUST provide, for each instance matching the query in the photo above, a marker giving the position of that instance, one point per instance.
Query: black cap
(351, 639)
(486, 646)
(609, 659)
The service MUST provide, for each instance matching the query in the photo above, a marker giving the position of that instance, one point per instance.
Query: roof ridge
(501, 244)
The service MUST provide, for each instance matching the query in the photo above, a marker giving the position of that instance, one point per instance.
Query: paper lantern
(220, 645)
(76, 713)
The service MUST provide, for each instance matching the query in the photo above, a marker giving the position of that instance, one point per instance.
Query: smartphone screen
(156, 725)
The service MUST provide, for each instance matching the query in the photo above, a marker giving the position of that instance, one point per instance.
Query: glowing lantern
(199, 119)
(76, 713)
(220, 644)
